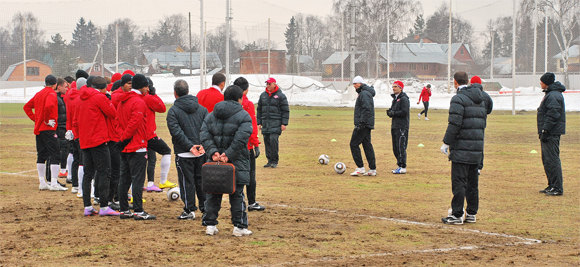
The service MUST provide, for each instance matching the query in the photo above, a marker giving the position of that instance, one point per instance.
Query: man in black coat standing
(463, 143)
(224, 135)
(551, 125)
(184, 121)
(364, 122)
(272, 118)
(399, 112)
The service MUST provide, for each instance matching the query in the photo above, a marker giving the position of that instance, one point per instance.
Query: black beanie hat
(90, 81)
(116, 85)
(50, 80)
(139, 81)
(125, 79)
(548, 78)
(81, 73)
(242, 83)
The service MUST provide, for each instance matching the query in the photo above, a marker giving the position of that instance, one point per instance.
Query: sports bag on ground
(218, 178)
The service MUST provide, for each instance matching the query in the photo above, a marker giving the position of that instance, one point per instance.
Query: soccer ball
(339, 167)
(173, 194)
(323, 159)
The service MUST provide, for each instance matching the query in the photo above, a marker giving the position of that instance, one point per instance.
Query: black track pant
(251, 188)
(551, 161)
(213, 205)
(426, 105)
(155, 144)
(98, 166)
(47, 148)
(77, 161)
(464, 184)
(362, 135)
(400, 139)
(115, 172)
(189, 178)
(133, 167)
(271, 143)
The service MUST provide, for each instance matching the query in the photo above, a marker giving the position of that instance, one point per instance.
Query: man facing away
(364, 122)
(213, 95)
(551, 123)
(184, 121)
(272, 119)
(463, 143)
(45, 115)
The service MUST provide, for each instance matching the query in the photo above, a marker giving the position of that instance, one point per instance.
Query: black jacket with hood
(61, 122)
(273, 111)
(400, 111)
(184, 121)
(552, 110)
(364, 108)
(466, 128)
(227, 130)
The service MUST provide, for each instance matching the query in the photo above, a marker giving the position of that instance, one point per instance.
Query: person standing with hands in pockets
(364, 122)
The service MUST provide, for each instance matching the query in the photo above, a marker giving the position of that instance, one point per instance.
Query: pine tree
(291, 43)
(64, 64)
(85, 40)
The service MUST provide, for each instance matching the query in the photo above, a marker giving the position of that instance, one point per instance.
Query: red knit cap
(116, 77)
(400, 84)
(475, 79)
(128, 72)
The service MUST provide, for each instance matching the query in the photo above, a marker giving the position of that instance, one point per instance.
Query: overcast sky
(250, 17)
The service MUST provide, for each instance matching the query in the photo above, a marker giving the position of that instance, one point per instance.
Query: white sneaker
(79, 194)
(399, 170)
(426, 118)
(370, 173)
(74, 190)
(419, 115)
(241, 231)
(43, 187)
(358, 171)
(212, 230)
(57, 188)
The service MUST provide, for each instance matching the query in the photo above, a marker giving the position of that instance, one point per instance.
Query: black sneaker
(126, 214)
(114, 206)
(545, 190)
(452, 220)
(186, 216)
(69, 180)
(141, 216)
(255, 206)
(61, 184)
(274, 165)
(268, 165)
(469, 218)
(554, 192)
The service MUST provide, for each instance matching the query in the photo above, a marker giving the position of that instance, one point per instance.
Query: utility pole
(190, 48)
(228, 25)
(268, 47)
(102, 54)
(491, 63)
(352, 41)
(545, 40)
(449, 53)
(342, 48)
(514, 60)
(202, 46)
(116, 47)
(389, 45)
(24, 51)
(535, 46)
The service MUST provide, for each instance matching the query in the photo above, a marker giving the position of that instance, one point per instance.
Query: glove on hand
(545, 136)
(445, 149)
(151, 90)
(69, 135)
(51, 123)
(256, 152)
(122, 144)
(389, 113)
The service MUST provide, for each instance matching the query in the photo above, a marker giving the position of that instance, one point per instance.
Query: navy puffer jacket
(552, 111)
(184, 121)
(466, 128)
(227, 130)
(364, 107)
(273, 112)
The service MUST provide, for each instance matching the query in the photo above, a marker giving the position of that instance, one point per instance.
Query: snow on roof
(11, 68)
(573, 51)
(416, 53)
(181, 59)
(336, 58)
(302, 58)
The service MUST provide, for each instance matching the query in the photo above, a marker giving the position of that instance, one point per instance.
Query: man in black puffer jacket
(272, 117)
(364, 122)
(551, 125)
(224, 135)
(184, 121)
(399, 111)
(463, 143)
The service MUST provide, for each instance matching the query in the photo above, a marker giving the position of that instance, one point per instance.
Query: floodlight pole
(545, 41)
(449, 53)
(228, 25)
(535, 46)
(268, 47)
(116, 47)
(352, 41)
(24, 51)
(342, 48)
(514, 60)
(190, 52)
(491, 64)
(202, 46)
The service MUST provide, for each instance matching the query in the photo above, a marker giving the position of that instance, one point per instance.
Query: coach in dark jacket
(551, 125)
(364, 122)
(272, 118)
(476, 82)
(225, 134)
(399, 112)
(463, 143)
(184, 121)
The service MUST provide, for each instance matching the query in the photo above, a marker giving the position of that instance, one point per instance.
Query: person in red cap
(213, 95)
(476, 81)
(45, 115)
(425, 94)
(399, 112)
(272, 119)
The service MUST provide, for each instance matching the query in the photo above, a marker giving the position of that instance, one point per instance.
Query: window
(461, 50)
(32, 71)
(97, 68)
(425, 67)
(412, 66)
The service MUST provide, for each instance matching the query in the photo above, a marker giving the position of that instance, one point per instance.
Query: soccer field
(313, 216)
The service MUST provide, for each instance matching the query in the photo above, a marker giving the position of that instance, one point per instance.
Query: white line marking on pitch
(18, 173)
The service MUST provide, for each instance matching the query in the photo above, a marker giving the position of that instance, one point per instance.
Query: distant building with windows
(35, 71)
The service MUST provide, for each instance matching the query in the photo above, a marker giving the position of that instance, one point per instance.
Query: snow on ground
(308, 92)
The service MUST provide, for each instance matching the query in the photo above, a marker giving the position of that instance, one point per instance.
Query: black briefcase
(218, 178)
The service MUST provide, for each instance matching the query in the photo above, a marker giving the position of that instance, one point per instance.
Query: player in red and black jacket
(425, 94)
(213, 95)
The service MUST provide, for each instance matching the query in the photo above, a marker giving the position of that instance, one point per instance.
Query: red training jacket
(425, 94)
(45, 105)
(70, 96)
(76, 105)
(154, 104)
(209, 97)
(131, 113)
(249, 107)
(93, 129)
